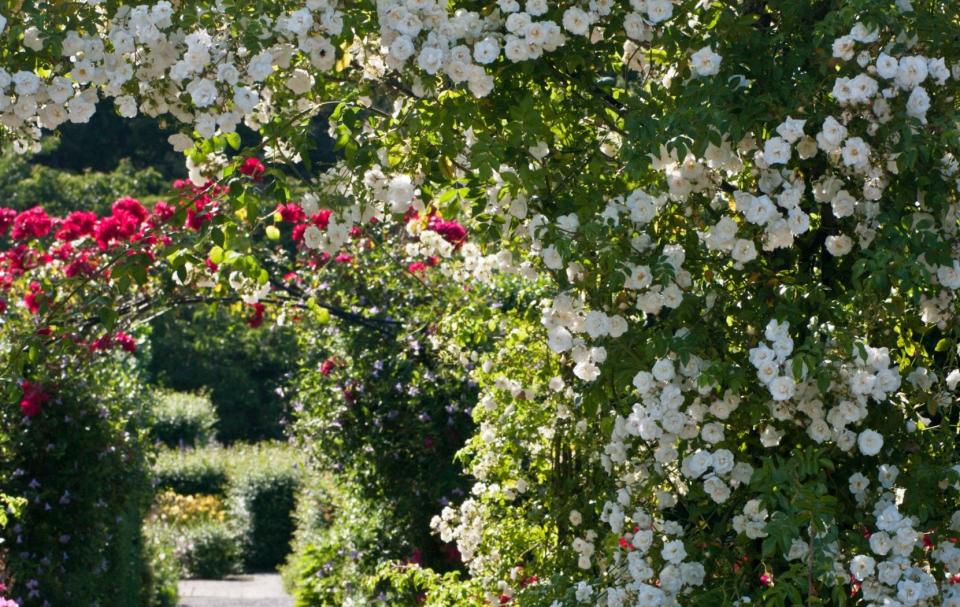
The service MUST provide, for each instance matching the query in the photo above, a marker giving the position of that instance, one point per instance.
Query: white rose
(313, 237)
(705, 62)
(918, 103)
(838, 246)
(659, 10)
(782, 388)
(791, 129)
(870, 442)
(862, 566)
(887, 66)
(776, 151)
(744, 251)
(674, 551)
(949, 276)
(856, 152)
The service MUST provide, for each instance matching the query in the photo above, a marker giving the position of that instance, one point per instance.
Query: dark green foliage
(196, 349)
(383, 413)
(183, 420)
(191, 471)
(78, 536)
(108, 140)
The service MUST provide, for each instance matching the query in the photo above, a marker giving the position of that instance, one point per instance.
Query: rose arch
(735, 225)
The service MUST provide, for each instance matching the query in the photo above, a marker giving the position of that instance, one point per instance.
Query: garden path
(260, 590)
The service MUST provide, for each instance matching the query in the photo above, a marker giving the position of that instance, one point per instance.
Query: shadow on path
(261, 590)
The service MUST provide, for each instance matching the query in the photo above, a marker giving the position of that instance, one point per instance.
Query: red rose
(33, 399)
(256, 319)
(77, 225)
(451, 230)
(291, 212)
(32, 223)
(253, 168)
(326, 368)
(127, 342)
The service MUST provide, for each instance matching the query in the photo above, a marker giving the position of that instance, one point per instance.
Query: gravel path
(261, 590)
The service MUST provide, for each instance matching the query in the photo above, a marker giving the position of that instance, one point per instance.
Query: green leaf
(216, 255)
(233, 140)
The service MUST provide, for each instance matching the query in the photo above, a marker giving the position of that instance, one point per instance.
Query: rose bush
(746, 214)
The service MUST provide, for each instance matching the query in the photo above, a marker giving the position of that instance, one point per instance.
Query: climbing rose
(291, 212)
(451, 230)
(77, 225)
(256, 319)
(253, 168)
(33, 398)
(32, 223)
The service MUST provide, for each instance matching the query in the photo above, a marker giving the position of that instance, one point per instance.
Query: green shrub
(191, 471)
(161, 572)
(183, 420)
(210, 550)
(265, 479)
(339, 546)
(80, 464)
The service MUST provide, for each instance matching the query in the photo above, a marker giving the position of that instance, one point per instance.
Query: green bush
(183, 420)
(161, 572)
(265, 479)
(339, 546)
(191, 471)
(210, 550)
(80, 464)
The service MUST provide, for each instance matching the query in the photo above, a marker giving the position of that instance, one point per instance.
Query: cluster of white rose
(652, 560)
(143, 59)
(771, 360)
(670, 429)
(868, 375)
(463, 525)
(752, 521)
(145, 62)
(895, 571)
(564, 317)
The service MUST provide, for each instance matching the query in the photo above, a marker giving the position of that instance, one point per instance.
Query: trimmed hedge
(184, 420)
(265, 480)
(191, 471)
(205, 549)
(211, 550)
